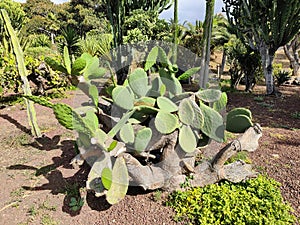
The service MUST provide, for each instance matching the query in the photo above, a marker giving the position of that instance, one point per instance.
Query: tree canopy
(266, 25)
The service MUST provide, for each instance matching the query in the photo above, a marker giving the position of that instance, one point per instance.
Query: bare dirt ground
(38, 182)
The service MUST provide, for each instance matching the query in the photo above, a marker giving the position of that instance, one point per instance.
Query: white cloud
(188, 10)
(191, 10)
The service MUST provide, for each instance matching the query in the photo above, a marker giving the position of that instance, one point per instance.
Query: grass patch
(48, 220)
(18, 193)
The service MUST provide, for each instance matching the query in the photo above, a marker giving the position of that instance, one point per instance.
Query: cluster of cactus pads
(137, 112)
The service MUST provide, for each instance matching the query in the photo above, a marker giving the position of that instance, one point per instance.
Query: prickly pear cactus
(149, 110)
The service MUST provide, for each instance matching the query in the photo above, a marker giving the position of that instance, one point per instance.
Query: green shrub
(256, 201)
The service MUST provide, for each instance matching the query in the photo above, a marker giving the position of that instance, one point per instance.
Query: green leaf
(221, 103)
(78, 66)
(187, 74)
(165, 122)
(151, 58)
(138, 82)
(209, 95)
(187, 139)
(93, 93)
(120, 182)
(166, 104)
(122, 97)
(213, 125)
(67, 60)
(142, 139)
(106, 177)
(238, 123)
(127, 133)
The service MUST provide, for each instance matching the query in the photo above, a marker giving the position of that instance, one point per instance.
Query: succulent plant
(145, 108)
(238, 120)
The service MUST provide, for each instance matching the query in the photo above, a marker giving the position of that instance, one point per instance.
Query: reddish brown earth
(37, 180)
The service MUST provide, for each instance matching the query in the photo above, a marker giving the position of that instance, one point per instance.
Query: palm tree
(220, 36)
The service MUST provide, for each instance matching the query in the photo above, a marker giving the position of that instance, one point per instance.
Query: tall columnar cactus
(23, 73)
(265, 25)
(146, 117)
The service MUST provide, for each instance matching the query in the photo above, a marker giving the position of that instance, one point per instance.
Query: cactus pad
(187, 139)
(238, 123)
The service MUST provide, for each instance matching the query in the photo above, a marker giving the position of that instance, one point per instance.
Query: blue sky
(189, 10)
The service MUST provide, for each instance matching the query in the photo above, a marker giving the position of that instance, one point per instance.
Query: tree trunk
(223, 62)
(205, 55)
(175, 31)
(267, 60)
(293, 57)
(176, 165)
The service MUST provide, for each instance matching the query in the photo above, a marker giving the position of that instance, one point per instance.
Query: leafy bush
(256, 201)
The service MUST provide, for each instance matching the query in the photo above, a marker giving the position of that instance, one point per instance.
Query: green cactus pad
(151, 58)
(93, 70)
(120, 124)
(94, 182)
(203, 141)
(142, 139)
(155, 87)
(198, 119)
(67, 60)
(166, 104)
(106, 177)
(187, 74)
(91, 120)
(39, 100)
(138, 82)
(209, 95)
(84, 140)
(94, 95)
(190, 114)
(122, 97)
(120, 182)
(221, 103)
(186, 112)
(145, 101)
(55, 65)
(213, 125)
(187, 139)
(238, 123)
(172, 84)
(100, 137)
(127, 133)
(162, 57)
(165, 122)
(239, 111)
